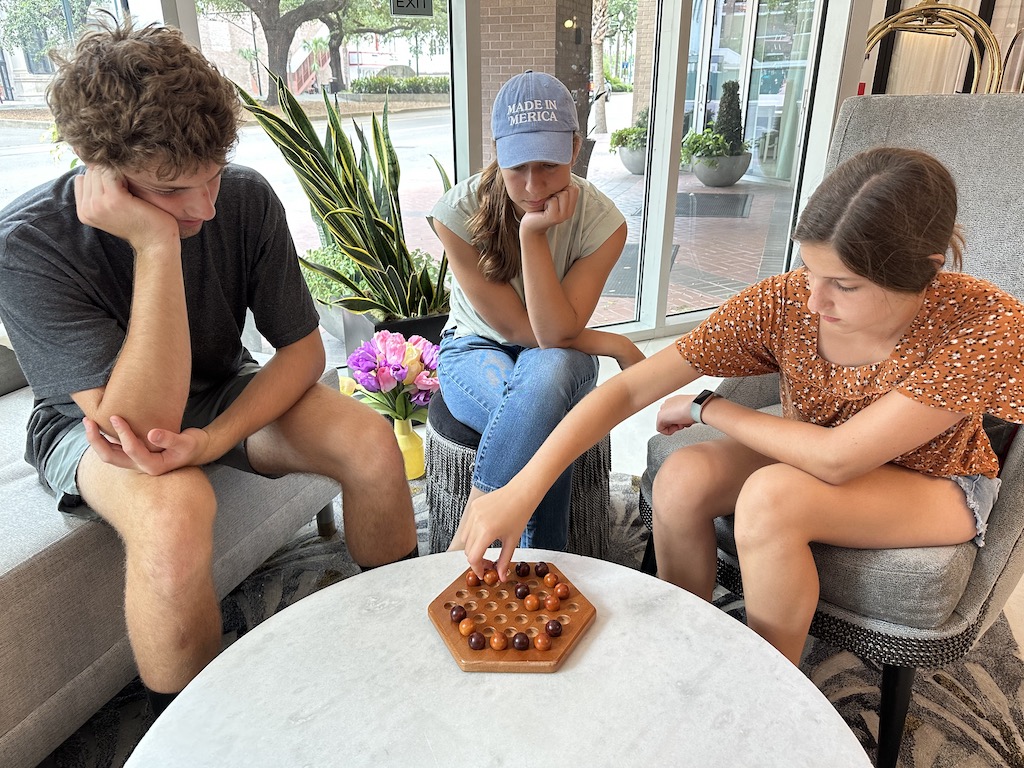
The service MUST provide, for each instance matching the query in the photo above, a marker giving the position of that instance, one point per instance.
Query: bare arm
(891, 426)
(503, 514)
(560, 309)
(149, 383)
(276, 388)
(594, 342)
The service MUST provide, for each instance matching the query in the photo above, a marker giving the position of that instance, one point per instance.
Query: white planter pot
(725, 172)
(635, 160)
(347, 327)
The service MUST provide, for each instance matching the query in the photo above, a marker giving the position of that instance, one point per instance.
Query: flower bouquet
(394, 376)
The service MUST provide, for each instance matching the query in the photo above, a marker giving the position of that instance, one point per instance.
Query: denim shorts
(981, 493)
(60, 469)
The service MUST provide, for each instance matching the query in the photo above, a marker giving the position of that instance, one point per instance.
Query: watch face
(699, 399)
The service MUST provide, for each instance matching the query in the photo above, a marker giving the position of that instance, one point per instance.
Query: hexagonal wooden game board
(495, 608)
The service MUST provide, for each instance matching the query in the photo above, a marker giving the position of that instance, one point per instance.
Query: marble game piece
(499, 617)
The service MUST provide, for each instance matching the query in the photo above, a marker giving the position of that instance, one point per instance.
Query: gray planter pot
(347, 327)
(635, 160)
(725, 172)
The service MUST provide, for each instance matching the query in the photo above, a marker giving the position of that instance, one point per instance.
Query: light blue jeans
(514, 397)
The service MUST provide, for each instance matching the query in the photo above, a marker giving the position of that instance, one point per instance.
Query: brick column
(643, 73)
(533, 35)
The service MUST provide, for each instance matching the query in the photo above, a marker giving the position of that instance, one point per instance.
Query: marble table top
(356, 674)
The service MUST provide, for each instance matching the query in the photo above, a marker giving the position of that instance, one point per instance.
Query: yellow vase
(411, 445)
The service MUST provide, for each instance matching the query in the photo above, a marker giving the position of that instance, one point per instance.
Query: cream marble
(357, 675)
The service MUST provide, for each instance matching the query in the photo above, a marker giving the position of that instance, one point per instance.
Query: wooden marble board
(497, 609)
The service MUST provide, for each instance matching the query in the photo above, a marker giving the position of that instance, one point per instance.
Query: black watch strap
(698, 405)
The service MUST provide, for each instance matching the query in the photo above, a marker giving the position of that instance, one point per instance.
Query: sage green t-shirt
(593, 222)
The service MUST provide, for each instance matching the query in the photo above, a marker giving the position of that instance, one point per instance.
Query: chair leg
(649, 564)
(897, 685)
(325, 525)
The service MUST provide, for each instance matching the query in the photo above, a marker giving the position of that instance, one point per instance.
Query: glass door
(722, 37)
(782, 42)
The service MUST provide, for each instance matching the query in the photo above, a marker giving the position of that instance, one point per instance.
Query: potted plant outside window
(718, 154)
(631, 144)
(355, 205)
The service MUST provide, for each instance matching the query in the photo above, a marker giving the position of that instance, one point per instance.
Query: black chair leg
(897, 685)
(649, 564)
(325, 524)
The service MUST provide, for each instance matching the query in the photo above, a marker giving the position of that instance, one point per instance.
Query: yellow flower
(415, 368)
(347, 385)
(412, 363)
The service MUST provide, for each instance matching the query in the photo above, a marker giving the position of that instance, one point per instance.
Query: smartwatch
(698, 405)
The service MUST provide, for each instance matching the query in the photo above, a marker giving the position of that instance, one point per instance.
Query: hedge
(388, 84)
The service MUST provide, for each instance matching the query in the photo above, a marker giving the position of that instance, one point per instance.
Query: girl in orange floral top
(887, 365)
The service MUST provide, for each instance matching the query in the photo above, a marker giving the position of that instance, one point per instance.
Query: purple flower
(364, 358)
(428, 351)
(421, 397)
(367, 380)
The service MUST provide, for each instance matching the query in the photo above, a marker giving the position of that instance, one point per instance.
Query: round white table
(356, 674)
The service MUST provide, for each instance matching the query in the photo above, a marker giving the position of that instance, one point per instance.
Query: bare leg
(695, 485)
(782, 509)
(166, 524)
(330, 434)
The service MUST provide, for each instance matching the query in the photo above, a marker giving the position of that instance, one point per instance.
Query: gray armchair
(923, 607)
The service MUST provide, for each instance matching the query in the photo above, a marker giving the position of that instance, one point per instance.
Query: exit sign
(412, 8)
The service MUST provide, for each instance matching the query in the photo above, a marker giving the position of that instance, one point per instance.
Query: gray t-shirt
(66, 290)
(595, 220)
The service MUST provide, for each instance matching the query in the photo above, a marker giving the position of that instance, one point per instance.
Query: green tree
(373, 17)
(624, 14)
(37, 26)
(281, 19)
(729, 124)
(317, 47)
(598, 32)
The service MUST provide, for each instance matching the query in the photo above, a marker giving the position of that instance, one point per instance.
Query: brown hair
(494, 228)
(129, 99)
(884, 212)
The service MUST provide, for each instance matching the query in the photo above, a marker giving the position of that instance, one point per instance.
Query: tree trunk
(280, 30)
(336, 70)
(599, 29)
(279, 39)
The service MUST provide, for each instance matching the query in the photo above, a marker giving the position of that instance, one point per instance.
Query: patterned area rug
(967, 715)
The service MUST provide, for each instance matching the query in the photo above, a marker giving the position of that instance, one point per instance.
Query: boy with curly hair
(124, 286)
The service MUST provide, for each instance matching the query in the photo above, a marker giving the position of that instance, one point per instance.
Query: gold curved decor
(1019, 87)
(934, 18)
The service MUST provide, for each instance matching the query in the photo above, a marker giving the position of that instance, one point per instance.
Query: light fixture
(568, 23)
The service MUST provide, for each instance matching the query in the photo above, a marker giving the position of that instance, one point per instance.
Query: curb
(42, 125)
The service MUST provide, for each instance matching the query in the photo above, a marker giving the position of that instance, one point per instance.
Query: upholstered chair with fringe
(922, 607)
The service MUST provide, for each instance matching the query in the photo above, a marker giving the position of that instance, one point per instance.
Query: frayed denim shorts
(981, 493)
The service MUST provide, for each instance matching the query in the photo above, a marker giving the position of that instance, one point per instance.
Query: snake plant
(355, 204)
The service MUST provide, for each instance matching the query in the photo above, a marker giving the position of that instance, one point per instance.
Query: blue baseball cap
(533, 121)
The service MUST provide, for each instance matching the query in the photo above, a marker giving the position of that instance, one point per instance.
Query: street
(28, 161)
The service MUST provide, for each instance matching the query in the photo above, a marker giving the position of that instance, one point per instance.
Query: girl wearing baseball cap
(530, 246)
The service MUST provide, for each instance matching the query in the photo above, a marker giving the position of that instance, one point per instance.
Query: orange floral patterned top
(961, 353)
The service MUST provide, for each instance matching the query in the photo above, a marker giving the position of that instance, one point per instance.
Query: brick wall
(532, 35)
(646, 24)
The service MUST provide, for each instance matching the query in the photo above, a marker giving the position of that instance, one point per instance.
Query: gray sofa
(63, 645)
